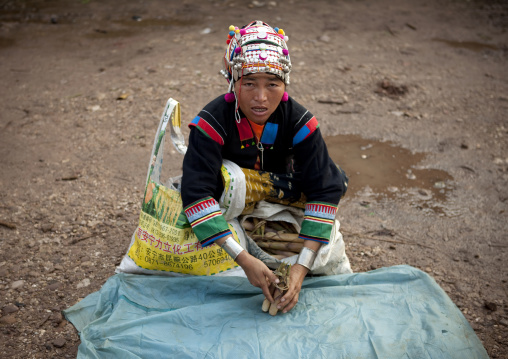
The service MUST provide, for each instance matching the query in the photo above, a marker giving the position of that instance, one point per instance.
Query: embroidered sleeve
(202, 183)
(318, 221)
(207, 221)
(205, 128)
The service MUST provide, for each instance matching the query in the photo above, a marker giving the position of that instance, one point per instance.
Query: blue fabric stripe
(214, 238)
(319, 214)
(202, 211)
(300, 136)
(315, 239)
(269, 133)
(195, 120)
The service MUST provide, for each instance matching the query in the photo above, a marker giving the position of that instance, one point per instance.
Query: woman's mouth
(259, 110)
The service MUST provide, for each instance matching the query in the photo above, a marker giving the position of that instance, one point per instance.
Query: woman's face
(259, 95)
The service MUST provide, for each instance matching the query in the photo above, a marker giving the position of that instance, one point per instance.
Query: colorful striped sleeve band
(207, 129)
(318, 221)
(207, 221)
(309, 128)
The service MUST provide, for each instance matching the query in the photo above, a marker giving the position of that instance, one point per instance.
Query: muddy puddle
(389, 171)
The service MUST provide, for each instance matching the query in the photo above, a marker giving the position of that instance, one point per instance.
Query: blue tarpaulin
(395, 312)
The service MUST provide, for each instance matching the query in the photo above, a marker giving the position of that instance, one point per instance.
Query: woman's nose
(260, 94)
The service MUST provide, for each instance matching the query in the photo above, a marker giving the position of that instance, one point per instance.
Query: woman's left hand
(296, 277)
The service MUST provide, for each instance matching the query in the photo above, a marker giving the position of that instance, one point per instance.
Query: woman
(260, 128)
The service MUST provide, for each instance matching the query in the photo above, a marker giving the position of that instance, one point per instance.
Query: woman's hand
(296, 277)
(289, 300)
(258, 273)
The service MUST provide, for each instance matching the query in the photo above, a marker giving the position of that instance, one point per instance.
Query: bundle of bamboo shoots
(280, 289)
(277, 238)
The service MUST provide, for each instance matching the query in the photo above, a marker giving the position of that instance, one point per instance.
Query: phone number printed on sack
(176, 249)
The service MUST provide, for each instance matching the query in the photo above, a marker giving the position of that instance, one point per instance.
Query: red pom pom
(285, 97)
(229, 97)
(228, 41)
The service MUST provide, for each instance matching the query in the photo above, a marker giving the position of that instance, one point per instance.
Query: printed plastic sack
(164, 242)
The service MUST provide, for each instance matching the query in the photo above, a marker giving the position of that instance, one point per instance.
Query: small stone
(324, 38)
(57, 318)
(439, 184)
(8, 309)
(93, 108)
(8, 319)
(491, 306)
(54, 286)
(46, 227)
(84, 283)
(258, 3)
(59, 342)
(17, 284)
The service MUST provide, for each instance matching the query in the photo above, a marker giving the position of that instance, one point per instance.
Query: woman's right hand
(258, 273)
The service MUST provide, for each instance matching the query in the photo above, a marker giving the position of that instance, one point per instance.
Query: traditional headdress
(257, 47)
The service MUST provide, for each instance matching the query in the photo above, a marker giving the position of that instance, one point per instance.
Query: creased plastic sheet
(395, 312)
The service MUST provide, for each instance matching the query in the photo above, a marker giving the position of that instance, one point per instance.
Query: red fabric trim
(244, 130)
(209, 130)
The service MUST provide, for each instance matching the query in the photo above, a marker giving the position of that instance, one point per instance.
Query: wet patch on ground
(390, 171)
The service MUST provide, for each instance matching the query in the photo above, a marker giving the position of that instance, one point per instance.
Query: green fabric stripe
(210, 228)
(316, 230)
(203, 132)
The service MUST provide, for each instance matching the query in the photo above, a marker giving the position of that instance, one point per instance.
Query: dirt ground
(84, 84)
